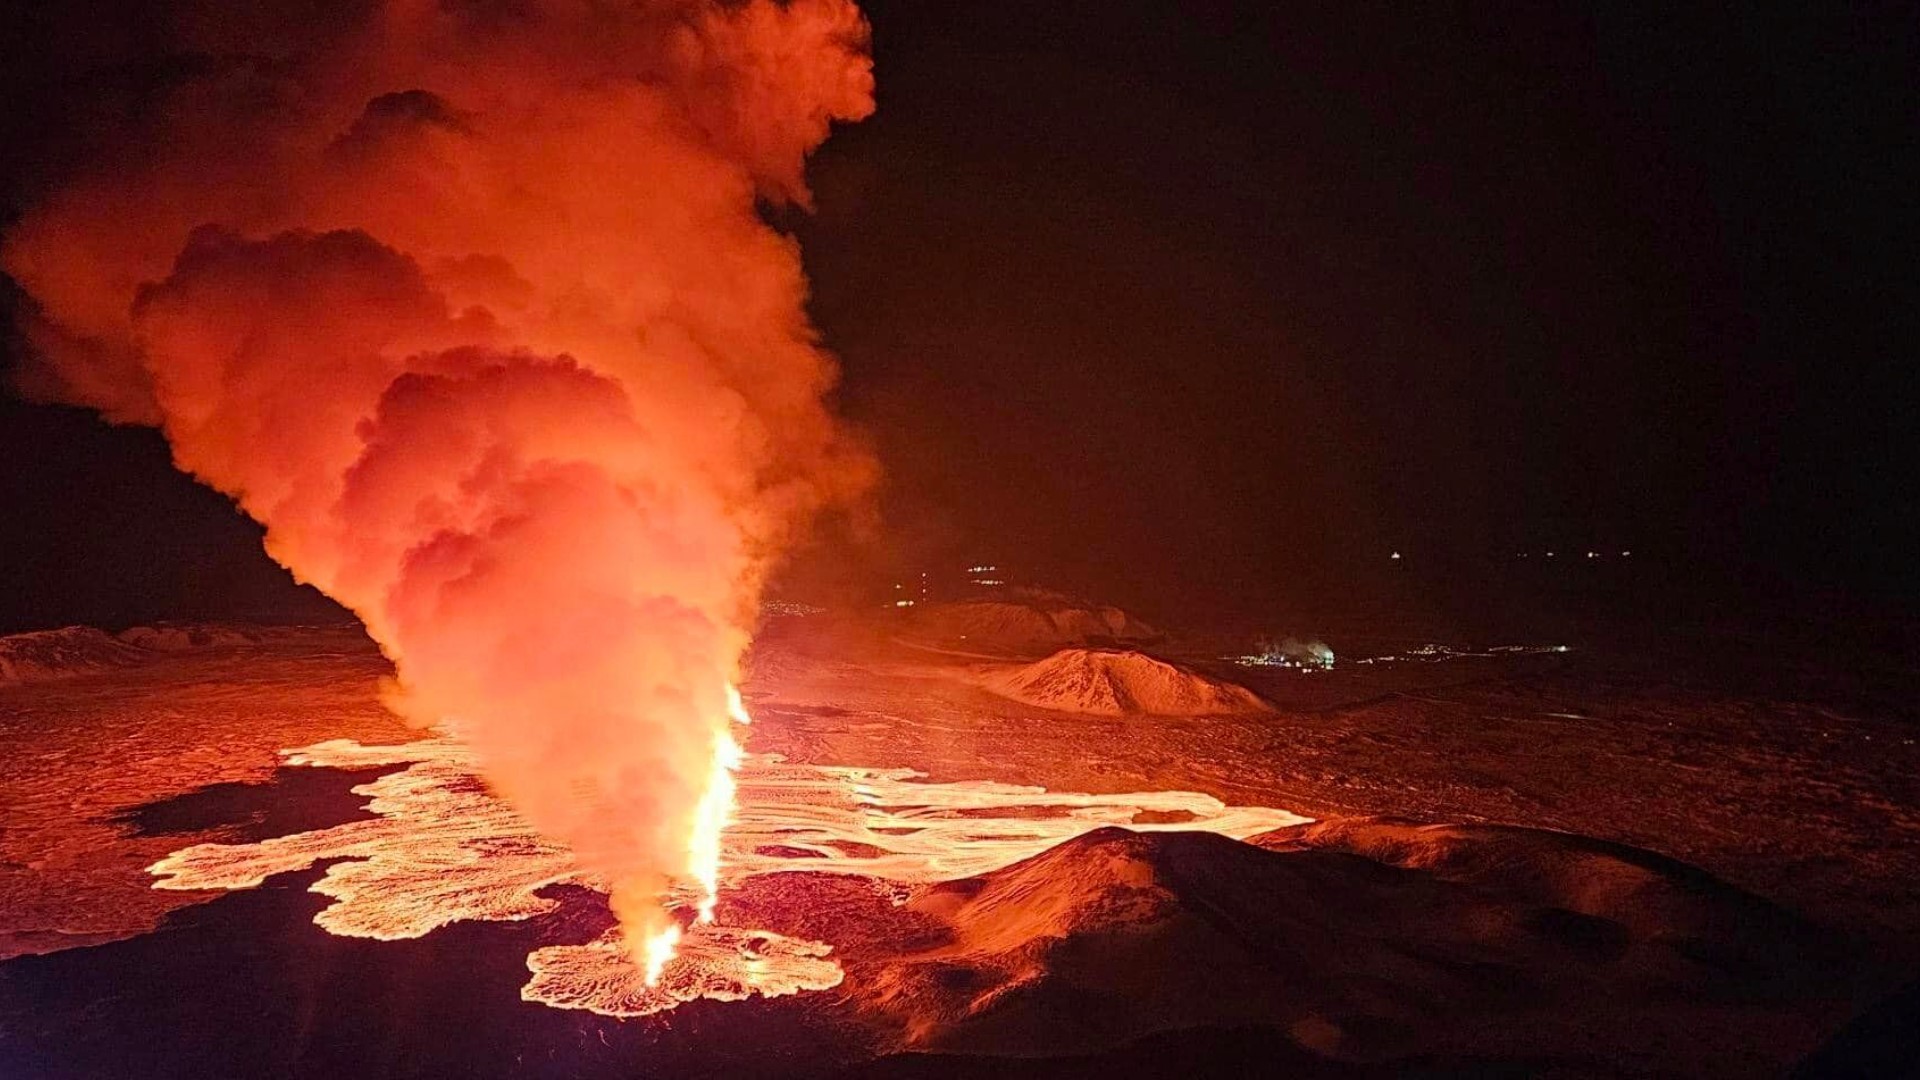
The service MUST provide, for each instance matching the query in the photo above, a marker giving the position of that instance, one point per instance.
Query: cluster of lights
(984, 575)
(1267, 661)
(1312, 658)
(789, 609)
(1434, 653)
(1396, 556)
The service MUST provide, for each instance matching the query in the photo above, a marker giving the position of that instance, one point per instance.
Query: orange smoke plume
(471, 306)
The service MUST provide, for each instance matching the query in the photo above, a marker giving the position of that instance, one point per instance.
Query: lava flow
(442, 849)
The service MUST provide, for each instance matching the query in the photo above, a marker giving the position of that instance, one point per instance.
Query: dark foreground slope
(1365, 943)
(1346, 949)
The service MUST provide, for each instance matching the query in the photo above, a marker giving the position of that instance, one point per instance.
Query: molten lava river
(441, 848)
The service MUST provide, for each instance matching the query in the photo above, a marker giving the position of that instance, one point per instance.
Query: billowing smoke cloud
(470, 304)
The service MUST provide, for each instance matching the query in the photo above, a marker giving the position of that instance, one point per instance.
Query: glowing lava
(657, 950)
(442, 848)
(703, 846)
(716, 806)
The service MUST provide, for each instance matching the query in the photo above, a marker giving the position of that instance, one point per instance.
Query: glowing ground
(842, 934)
(442, 849)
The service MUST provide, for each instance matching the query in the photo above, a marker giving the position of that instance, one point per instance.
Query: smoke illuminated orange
(482, 321)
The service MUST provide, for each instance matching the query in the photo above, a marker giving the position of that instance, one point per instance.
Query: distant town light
(903, 603)
(1396, 555)
(790, 608)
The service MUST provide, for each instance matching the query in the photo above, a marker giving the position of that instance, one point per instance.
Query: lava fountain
(473, 308)
(703, 845)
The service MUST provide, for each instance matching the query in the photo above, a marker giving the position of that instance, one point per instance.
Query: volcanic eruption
(472, 307)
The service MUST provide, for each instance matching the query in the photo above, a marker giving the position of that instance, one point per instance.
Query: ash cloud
(472, 306)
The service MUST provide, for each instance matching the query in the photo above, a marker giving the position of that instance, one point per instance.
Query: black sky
(1227, 300)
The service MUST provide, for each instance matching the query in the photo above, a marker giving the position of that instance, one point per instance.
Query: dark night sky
(1227, 299)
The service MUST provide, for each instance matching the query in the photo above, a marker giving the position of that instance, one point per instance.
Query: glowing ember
(442, 849)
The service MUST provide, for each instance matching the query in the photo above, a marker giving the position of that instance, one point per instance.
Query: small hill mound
(57, 654)
(1114, 682)
(1026, 624)
(1517, 946)
(81, 650)
(169, 637)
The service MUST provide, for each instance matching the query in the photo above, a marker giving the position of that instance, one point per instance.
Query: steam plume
(470, 304)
